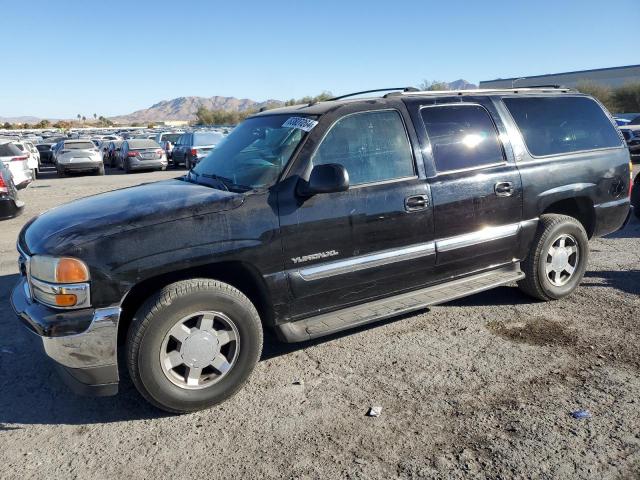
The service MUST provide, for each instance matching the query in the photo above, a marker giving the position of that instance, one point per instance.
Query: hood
(62, 228)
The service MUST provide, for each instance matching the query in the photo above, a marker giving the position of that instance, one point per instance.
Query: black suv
(316, 218)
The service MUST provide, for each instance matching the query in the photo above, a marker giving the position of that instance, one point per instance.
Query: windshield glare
(254, 153)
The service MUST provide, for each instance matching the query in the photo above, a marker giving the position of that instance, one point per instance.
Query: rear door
(375, 238)
(475, 184)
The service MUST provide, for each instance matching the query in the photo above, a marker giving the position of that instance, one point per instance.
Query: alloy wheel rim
(199, 350)
(563, 257)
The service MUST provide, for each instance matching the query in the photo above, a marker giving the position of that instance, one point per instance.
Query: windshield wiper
(228, 183)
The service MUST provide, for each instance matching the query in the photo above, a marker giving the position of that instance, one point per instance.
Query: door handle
(416, 202)
(503, 189)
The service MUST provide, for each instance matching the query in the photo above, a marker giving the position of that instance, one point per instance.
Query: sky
(61, 58)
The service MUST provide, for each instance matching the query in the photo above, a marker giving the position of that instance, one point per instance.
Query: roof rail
(402, 89)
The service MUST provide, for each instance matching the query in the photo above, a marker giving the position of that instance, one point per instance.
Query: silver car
(142, 154)
(79, 156)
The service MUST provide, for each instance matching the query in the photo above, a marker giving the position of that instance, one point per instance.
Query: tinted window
(556, 125)
(372, 146)
(462, 136)
(208, 138)
(43, 148)
(170, 137)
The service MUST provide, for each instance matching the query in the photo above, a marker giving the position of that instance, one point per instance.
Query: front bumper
(82, 342)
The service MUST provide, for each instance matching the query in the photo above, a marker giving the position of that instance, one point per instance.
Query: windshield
(254, 153)
(79, 146)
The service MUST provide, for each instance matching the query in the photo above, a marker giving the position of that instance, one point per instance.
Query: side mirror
(327, 178)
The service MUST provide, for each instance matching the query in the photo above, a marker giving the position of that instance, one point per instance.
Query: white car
(34, 158)
(17, 163)
(34, 162)
(79, 156)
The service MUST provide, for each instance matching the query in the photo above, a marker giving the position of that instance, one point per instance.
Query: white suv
(79, 156)
(17, 163)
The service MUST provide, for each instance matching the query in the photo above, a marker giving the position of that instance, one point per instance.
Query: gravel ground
(480, 387)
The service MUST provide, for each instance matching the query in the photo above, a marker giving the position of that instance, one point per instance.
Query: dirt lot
(481, 387)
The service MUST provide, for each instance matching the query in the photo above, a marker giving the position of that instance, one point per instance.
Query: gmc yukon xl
(313, 219)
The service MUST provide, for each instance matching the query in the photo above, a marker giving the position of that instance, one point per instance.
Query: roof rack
(486, 90)
(401, 89)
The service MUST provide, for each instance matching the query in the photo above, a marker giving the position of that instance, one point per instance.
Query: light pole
(513, 82)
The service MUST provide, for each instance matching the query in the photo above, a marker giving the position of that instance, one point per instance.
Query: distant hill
(462, 85)
(26, 119)
(185, 108)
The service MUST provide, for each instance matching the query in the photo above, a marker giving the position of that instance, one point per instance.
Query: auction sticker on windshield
(301, 123)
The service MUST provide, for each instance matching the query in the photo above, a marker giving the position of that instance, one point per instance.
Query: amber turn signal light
(70, 270)
(66, 300)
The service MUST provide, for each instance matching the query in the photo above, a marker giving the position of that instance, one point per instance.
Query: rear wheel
(100, 170)
(60, 171)
(557, 260)
(193, 345)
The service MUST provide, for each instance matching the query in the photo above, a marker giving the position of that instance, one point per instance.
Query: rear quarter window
(558, 125)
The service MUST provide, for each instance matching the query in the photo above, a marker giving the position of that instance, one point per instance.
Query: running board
(350, 317)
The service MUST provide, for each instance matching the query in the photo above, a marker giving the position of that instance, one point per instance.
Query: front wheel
(558, 258)
(193, 344)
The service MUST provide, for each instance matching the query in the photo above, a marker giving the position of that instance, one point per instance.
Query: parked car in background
(79, 156)
(45, 152)
(17, 162)
(142, 154)
(631, 134)
(10, 205)
(113, 151)
(167, 140)
(35, 154)
(635, 196)
(193, 147)
(33, 160)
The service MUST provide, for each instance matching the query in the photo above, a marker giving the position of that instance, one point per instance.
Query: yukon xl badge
(315, 256)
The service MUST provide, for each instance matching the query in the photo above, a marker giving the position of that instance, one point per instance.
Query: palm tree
(95, 116)
(79, 117)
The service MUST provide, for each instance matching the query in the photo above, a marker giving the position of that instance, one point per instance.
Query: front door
(371, 240)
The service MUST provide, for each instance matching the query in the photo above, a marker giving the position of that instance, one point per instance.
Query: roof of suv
(322, 107)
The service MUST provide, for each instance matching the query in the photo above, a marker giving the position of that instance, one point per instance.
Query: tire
(551, 229)
(187, 163)
(61, 172)
(34, 173)
(100, 170)
(166, 309)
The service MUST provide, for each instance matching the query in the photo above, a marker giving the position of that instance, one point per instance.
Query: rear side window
(372, 146)
(557, 125)
(462, 137)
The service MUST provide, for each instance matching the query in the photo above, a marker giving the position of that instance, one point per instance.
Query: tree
(95, 116)
(43, 124)
(84, 119)
(602, 92)
(79, 117)
(627, 98)
(7, 126)
(433, 85)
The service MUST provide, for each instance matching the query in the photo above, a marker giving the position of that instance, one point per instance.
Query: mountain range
(185, 108)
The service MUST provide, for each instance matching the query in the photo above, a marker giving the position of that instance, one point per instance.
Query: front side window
(557, 125)
(372, 146)
(462, 137)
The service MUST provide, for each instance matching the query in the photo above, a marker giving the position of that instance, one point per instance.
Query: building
(612, 77)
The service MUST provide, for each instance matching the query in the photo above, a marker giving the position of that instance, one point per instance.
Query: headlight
(59, 270)
(59, 282)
